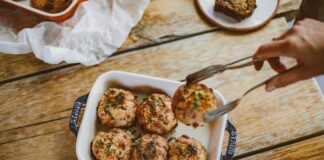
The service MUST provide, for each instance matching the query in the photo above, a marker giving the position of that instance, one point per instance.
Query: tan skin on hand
(305, 43)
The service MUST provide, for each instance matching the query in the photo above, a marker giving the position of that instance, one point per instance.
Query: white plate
(211, 135)
(265, 10)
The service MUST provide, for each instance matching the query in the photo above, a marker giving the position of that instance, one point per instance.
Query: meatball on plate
(155, 114)
(186, 148)
(150, 146)
(117, 108)
(190, 102)
(115, 144)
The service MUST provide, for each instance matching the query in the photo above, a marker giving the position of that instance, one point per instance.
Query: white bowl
(211, 135)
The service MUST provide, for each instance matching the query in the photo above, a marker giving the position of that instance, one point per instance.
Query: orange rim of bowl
(58, 18)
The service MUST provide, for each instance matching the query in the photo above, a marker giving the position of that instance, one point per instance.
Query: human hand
(305, 43)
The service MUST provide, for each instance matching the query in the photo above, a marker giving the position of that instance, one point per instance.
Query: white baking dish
(211, 135)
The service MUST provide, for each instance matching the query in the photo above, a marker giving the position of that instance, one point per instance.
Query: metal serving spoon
(219, 68)
(213, 69)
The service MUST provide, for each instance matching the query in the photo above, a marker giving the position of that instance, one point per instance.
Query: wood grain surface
(34, 112)
(311, 149)
(57, 145)
(311, 9)
(160, 19)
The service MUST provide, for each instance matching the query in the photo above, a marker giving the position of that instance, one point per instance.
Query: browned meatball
(150, 147)
(186, 148)
(155, 114)
(190, 102)
(115, 144)
(117, 108)
(51, 6)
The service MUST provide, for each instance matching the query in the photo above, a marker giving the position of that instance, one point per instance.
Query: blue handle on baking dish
(78, 104)
(231, 141)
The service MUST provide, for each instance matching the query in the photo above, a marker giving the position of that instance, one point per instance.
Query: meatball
(155, 114)
(190, 102)
(115, 144)
(186, 148)
(117, 108)
(51, 6)
(150, 146)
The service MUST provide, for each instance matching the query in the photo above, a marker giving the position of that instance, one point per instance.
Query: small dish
(211, 135)
(57, 17)
(264, 12)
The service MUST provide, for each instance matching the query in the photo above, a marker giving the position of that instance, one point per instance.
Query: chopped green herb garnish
(109, 113)
(196, 104)
(152, 147)
(181, 151)
(131, 130)
(145, 156)
(99, 143)
(150, 119)
(153, 104)
(200, 96)
(197, 96)
(193, 94)
(110, 148)
(191, 149)
(109, 104)
(136, 142)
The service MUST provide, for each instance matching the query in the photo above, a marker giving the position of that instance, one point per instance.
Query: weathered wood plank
(162, 17)
(311, 9)
(55, 146)
(311, 149)
(49, 96)
(33, 131)
(280, 116)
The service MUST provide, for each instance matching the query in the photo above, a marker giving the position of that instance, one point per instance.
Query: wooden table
(170, 41)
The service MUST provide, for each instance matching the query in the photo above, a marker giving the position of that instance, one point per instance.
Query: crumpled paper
(93, 33)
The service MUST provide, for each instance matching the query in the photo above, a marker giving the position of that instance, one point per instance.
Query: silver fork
(219, 68)
(213, 114)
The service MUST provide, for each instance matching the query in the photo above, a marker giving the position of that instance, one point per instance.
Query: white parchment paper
(94, 32)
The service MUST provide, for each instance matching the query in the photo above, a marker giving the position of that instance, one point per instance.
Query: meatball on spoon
(214, 69)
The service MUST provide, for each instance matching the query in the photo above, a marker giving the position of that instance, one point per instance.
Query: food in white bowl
(115, 144)
(186, 148)
(117, 108)
(150, 146)
(155, 114)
